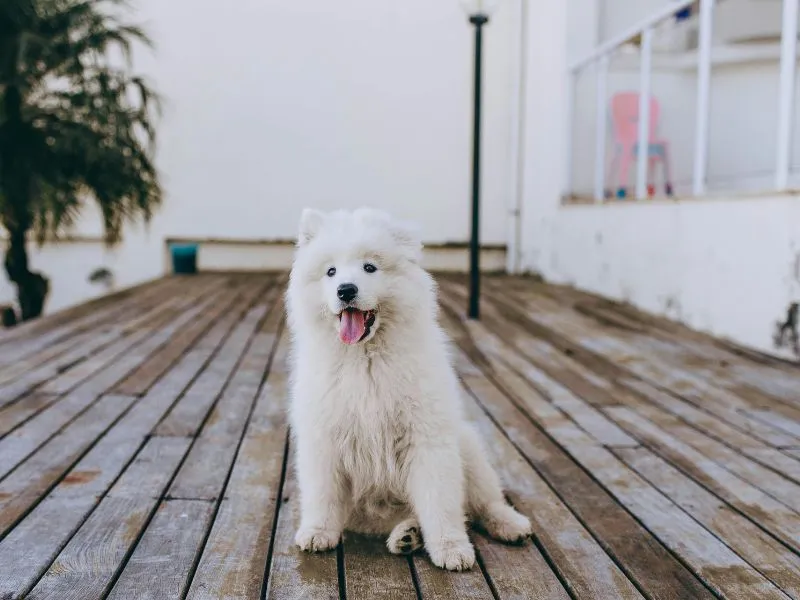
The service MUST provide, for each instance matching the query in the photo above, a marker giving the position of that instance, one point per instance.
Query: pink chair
(625, 133)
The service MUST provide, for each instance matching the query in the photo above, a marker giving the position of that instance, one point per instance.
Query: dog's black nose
(346, 292)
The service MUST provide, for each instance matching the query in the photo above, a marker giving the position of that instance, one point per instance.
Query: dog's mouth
(355, 325)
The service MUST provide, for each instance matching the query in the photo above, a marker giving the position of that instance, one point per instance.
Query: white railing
(644, 32)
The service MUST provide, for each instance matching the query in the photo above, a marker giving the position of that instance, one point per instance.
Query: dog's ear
(310, 223)
(407, 236)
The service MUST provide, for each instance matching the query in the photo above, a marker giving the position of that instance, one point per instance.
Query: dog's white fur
(382, 445)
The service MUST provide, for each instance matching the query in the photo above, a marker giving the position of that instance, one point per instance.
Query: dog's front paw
(313, 539)
(453, 554)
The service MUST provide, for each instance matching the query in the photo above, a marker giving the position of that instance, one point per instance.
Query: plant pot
(184, 259)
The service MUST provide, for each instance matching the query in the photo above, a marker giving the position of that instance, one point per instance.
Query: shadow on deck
(143, 453)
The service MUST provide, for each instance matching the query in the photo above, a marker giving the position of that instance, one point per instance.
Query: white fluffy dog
(382, 444)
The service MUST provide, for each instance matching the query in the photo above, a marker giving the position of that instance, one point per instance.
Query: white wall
(273, 106)
(543, 132)
(728, 266)
(278, 105)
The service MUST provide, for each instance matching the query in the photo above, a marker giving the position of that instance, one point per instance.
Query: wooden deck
(143, 447)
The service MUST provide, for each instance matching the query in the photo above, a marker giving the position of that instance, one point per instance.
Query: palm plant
(75, 125)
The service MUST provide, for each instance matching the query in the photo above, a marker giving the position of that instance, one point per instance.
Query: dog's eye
(331, 272)
(370, 268)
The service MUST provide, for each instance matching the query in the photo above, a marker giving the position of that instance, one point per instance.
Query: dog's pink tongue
(351, 326)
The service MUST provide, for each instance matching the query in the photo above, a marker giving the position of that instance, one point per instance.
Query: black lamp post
(479, 18)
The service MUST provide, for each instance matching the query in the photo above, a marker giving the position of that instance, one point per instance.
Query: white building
(276, 106)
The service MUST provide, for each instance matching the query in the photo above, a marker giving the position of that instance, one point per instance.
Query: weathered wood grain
(46, 323)
(175, 560)
(25, 347)
(234, 559)
(98, 469)
(720, 431)
(645, 560)
(159, 567)
(370, 572)
(438, 584)
(88, 563)
(157, 364)
(783, 522)
(185, 308)
(60, 355)
(292, 574)
(584, 566)
(203, 475)
(24, 486)
(19, 444)
(764, 552)
(581, 562)
(188, 414)
(770, 482)
(15, 415)
(652, 461)
(612, 355)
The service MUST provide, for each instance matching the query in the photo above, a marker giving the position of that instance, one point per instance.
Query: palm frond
(85, 128)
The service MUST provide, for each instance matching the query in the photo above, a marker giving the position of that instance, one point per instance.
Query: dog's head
(355, 272)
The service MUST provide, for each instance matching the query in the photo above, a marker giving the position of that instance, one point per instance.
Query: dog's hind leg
(405, 537)
(485, 500)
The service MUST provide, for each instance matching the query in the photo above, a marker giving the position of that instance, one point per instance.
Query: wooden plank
(643, 558)
(293, 574)
(624, 539)
(371, 572)
(202, 472)
(656, 520)
(779, 421)
(580, 561)
(234, 559)
(187, 416)
(519, 571)
(694, 544)
(610, 354)
(783, 522)
(140, 380)
(203, 475)
(159, 567)
(719, 430)
(131, 430)
(437, 584)
(780, 488)
(12, 371)
(493, 357)
(18, 413)
(65, 352)
(24, 486)
(747, 539)
(10, 353)
(93, 353)
(711, 560)
(495, 344)
(88, 562)
(20, 444)
(194, 300)
(50, 321)
(74, 497)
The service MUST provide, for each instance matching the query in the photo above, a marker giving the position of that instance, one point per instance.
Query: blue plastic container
(184, 259)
